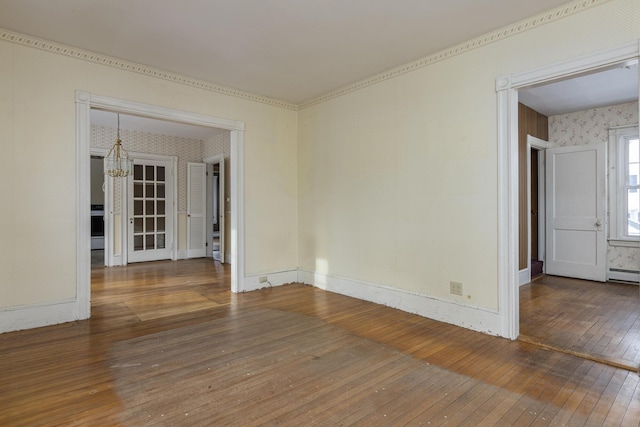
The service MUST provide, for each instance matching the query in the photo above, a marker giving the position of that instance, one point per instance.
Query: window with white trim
(624, 195)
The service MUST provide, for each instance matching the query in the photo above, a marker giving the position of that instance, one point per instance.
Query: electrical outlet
(455, 288)
(263, 279)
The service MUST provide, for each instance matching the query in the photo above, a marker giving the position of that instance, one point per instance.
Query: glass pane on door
(149, 207)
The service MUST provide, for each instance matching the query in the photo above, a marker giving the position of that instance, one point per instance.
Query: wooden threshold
(593, 320)
(600, 358)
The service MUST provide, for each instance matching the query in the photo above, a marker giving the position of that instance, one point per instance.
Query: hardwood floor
(168, 344)
(600, 321)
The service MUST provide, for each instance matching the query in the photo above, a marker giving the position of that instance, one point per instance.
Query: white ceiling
(598, 89)
(291, 50)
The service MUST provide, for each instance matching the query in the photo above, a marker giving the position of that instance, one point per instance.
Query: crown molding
(122, 64)
(517, 28)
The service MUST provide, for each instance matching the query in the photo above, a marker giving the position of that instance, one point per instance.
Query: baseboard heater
(623, 275)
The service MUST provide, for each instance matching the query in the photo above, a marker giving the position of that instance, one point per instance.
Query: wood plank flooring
(600, 321)
(291, 355)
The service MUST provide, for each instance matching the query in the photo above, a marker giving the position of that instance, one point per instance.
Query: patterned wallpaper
(220, 143)
(590, 127)
(186, 149)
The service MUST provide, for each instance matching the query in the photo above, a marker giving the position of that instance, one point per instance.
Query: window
(633, 206)
(624, 197)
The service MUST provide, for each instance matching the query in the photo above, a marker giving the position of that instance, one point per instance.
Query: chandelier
(117, 162)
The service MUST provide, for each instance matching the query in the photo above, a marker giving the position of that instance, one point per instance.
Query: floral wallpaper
(590, 127)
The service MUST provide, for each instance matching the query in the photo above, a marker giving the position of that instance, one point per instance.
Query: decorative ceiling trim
(519, 27)
(122, 64)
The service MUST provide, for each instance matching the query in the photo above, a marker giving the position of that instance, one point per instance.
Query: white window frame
(618, 137)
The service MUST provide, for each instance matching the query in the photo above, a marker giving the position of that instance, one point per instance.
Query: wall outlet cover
(455, 288)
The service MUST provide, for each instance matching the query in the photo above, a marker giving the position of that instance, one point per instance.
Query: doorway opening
(217, 206)
(508, 89)
(574, 156)
(536, 195)
(97, 211)
(85, 102)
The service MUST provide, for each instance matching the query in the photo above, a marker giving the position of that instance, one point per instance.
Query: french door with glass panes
(150, 228)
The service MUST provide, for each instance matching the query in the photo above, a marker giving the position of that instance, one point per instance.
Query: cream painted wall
(37, 177)
(393, 184)
(397, 180)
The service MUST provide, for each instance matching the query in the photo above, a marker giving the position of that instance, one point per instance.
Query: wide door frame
(84, 102)
(507, 87)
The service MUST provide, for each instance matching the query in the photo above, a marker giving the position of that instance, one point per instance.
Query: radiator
(624, 275)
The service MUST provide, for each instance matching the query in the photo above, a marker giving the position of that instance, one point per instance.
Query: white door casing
(540, 145)
(84, 102)
(222, 196)
(211, 217)
(216, 188)
(575, 212)
(196, 210)
(507, 87)
(150, 211)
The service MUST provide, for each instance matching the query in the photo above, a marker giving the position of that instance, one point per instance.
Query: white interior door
(575, 212)
(196, 210)
(221, 207)
(212, 209)
(150, 201)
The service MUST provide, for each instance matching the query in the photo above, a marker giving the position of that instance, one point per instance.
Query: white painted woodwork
(575, 214)
(524, 276)
(196, 210)
(222, 211)
(452, 312)
(154, 253)
(221, 197)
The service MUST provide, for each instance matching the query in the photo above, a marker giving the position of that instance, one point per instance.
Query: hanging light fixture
(117, 163)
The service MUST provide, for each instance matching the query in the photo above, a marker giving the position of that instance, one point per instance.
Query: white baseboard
(252, 283)
(524, 276)
(117, 260)
(475, 318)
(182, 254)
(37, 315)
(624, 275)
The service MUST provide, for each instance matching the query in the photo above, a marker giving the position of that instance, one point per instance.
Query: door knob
(598, 223)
